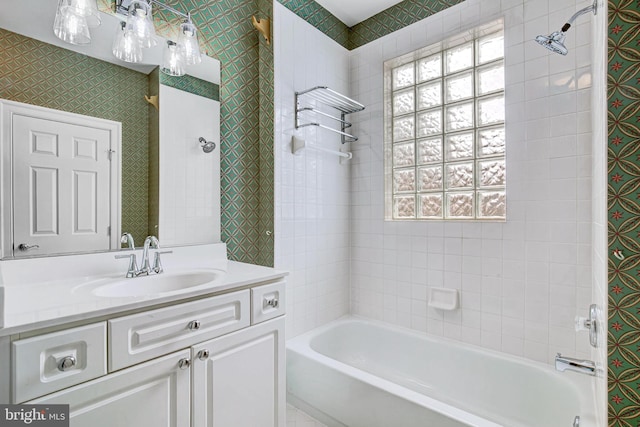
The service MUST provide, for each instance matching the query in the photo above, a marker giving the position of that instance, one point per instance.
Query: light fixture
(125, 45)
(140, 23)
(69, 26)
(188, 38)
(74, 17)
(185, 51)
(86, 8)
(173, 62)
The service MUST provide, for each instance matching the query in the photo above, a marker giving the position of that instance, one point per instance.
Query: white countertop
(45, 292)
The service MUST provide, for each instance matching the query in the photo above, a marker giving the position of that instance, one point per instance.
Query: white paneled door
(61, 182)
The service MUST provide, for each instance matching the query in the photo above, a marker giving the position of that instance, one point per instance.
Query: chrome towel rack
(330, 98)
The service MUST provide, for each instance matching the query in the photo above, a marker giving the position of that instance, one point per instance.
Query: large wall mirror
(169, 183)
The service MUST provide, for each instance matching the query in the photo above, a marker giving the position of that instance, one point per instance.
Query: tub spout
(577, 365)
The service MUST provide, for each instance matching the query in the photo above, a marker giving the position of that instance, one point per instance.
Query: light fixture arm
(593, 8)
(171, 9)
(122, 7)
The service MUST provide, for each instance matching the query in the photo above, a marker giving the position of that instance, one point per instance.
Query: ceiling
(352, 12)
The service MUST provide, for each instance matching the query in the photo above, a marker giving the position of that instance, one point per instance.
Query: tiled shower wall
(311, 187)
(521, 281)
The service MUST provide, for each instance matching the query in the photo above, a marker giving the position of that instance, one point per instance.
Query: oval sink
(155, 284)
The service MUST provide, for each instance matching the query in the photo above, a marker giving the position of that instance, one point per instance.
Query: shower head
(207, 146)
(554, 42)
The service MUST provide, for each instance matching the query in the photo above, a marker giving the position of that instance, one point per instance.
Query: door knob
(24, 247)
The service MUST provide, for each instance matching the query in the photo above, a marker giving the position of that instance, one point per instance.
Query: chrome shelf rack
(330, 98)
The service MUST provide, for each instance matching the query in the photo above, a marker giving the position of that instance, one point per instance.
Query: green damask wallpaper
(191, 84)
(320, 18)
(389, 20)
(394, 18)
(623, 97)
(267, 184)
(42, 74)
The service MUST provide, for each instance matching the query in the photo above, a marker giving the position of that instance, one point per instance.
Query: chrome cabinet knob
(67, 363)
(271, 302)
(24, 247)
(203, 354)
(194, 325)
(184, 363)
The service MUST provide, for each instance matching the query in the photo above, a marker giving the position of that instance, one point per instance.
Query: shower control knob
(67, 363)
(194, 325)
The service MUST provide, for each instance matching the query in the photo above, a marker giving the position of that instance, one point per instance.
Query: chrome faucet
(145, 269)
(128, 239)
(150, 241)
(132, 271)
(578, 365)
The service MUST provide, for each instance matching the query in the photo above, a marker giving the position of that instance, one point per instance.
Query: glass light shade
(86, 8)
(188, 39)
(125, 46)
(173, 63)
(140, 23)
(69, 27)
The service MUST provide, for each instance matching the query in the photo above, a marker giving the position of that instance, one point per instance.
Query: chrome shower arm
(593, 8)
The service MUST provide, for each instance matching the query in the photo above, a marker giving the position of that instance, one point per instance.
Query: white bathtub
(358, 373)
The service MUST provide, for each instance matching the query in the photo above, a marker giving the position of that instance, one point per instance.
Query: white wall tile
(509, 274)
(312, 190)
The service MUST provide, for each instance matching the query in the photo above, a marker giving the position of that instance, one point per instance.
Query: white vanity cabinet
(215, 361)
(152, 394)
(238, 379)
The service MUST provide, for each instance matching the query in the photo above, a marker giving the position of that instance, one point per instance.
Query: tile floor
(297, 418)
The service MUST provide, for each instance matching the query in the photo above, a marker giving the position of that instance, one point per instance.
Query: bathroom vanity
(206, 348)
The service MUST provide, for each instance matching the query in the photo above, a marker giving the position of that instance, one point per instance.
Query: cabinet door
(152, 394)
(239, 379)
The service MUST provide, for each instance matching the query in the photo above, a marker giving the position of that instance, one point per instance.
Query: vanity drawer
(54, 361)
(267, 302)
(139, 337)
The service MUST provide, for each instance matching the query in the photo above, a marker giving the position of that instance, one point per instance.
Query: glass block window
(444, 130)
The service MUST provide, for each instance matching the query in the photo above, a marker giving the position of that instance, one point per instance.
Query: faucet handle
(157, 264)
(133, 265)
